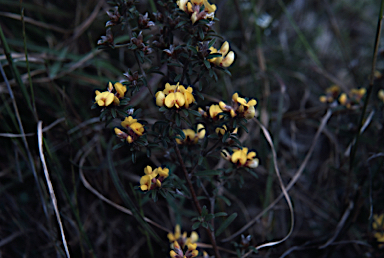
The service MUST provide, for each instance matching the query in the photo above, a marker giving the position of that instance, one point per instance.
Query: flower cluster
(193, 8)
(175, 96)
(106, 98)
(134, 128)
(182, 239)
(331, 94)
(241, 157)
(354, 96)
(153, 178)
(378, 226)
(192, 137)
(226, 59)
(177, 252)
(240, 107)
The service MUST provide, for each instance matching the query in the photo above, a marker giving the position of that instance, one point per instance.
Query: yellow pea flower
(163, 172)
(160, 97)
(343, 99)
(174, 99)
(128, 121)
(214, 110)
(137, 128)
(170, 88)
(145, 183)
(226, 59)
(380, 95)
(240, 156)
(104, 99)
(174, 237)
(148, 171)
(120, 89)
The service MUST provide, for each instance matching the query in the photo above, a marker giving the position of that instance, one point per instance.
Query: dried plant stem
(50, 187)
(195, 201)
(291, 183)
(370, 86)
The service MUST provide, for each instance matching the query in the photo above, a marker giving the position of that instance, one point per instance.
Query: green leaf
(225, 137)
(196, 225)
(201, 158)
(209, 217)
(119, 145)
(178, 77)
(113, 112)
(208, 173)
(210, 44)
(180, 24)
(177, 120)
(204, 211)
(244, 127)
(220, 214)
(180, 133)
(193, 49)
(210, 56)
(207, 64)
(201, 33)
(225, 199)
(205, 224)
(225, 224)
(194, 112)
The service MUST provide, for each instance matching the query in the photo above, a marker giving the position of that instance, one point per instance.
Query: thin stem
(370, 86)
(195, 201)
(143, 73)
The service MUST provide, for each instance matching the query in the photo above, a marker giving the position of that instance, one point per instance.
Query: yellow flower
(226, 59)
(357, 94)
(170, 88)
(189, 99)
(175, 99)
(174, 237)
(182, 4)
(130, 122)
(200, 131)
(163, 172)
(214, 110)
(120, 89)
(160, 97)
(137, 128)
(175, 96)
(380, 95)
(241, 157)
(148, 171)
(145, 183)
(104, 99)
(192, 7)
(343, 99)
(250, 113)
(242, 101)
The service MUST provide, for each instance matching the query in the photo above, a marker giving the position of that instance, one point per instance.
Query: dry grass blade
(47, 128)
(285, 192)
(291, 183)
(36, 23)
(50, 187)
(103, 198)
